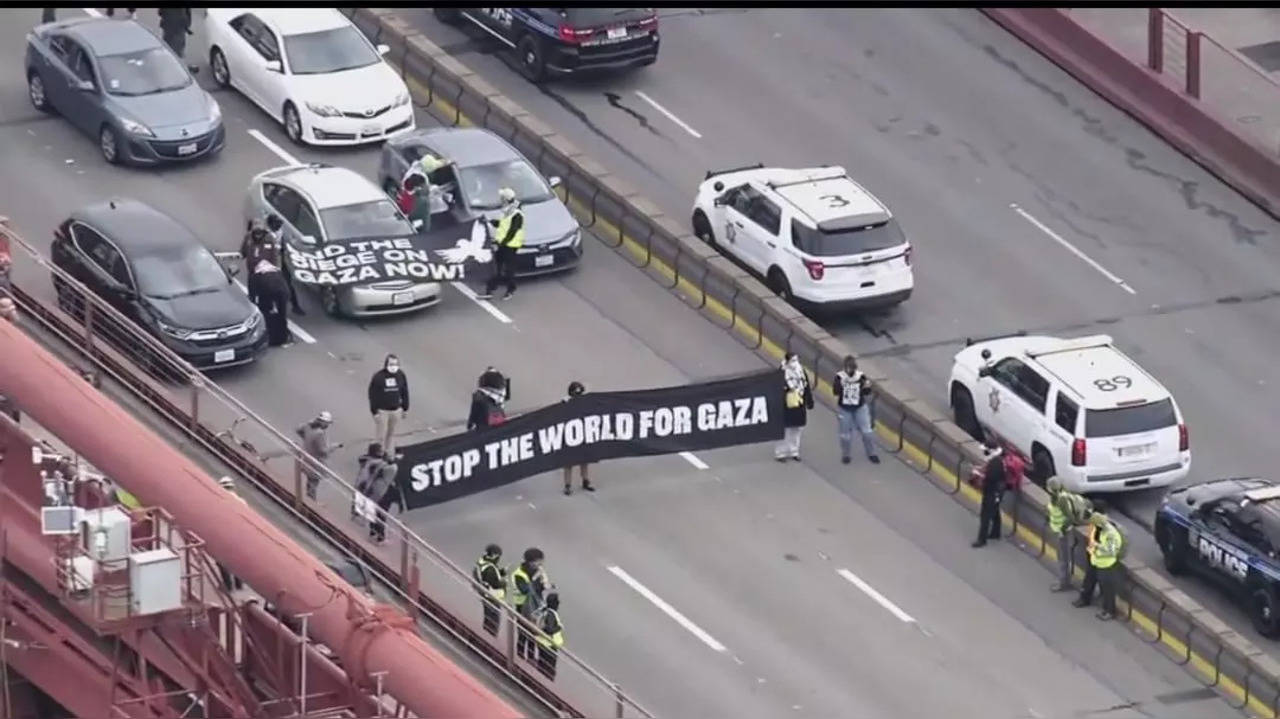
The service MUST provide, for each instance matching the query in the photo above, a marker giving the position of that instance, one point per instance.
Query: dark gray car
(483, 164)
(118, 83)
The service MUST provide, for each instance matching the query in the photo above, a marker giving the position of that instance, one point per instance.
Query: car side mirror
(554, 181)
(85, 86)
(274, 66)
(384, 49)
(984, 371)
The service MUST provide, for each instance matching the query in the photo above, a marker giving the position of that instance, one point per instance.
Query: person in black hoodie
(388, 401)
(488, 402)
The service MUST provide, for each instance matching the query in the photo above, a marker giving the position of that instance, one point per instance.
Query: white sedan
(311, 70)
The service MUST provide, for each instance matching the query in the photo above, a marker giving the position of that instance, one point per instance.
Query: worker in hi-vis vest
(1067, 510)
(1106, 544)
(509, 237)
(552, 636)
(529, 585)
(493, 582)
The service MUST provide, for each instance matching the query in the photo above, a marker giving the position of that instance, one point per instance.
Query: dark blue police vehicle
(1228, 530)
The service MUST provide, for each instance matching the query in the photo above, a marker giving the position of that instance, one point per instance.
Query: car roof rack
(1072, 345)
(806, 180)
(971, 341)
(713, 173)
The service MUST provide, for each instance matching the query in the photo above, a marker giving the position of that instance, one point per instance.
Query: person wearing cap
(552, 636)
(492, 579)
(315, 441)
(529, 585)
(993, 486)
(1067, 510)
(509, 236)
(576, 389)
(1106, 544)
(229, 580)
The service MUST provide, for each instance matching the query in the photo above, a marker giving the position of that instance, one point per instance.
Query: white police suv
(1079, 408)
(817, 237)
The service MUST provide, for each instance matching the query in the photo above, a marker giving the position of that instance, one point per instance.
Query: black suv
(562, 40)
(1228, 530)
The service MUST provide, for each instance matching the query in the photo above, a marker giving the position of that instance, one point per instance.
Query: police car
(1079, 408)
(563, 40)
(1227, 530)
(817, 237)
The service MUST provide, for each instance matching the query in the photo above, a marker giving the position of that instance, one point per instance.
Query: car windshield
(1129, 420)
(145, 72)
(316, 53)
(853, 241)
(596, 16)
(483, 182)
(179, 272)
(379, 218)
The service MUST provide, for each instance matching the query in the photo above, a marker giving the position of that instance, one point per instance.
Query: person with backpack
(488, 402)
(1106, 549)
(1067, 510)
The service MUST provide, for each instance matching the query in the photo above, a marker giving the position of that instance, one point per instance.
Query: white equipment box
(155, 581)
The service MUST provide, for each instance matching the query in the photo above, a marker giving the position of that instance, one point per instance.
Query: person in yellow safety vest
(1105, 546)
(509, 236)
(552, 636)
(529, 584)
(493, 580)
(128, 500)
(1067, 510)
(229, 580)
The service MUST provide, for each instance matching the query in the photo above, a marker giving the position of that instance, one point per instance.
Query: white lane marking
(667, 609)
(880, 599)
(1072, 249)
(692, 458)
(273, 147)
(297, 331)
(670, 115)
(485, 305)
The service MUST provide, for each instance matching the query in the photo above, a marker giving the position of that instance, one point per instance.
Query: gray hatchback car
(485, 163)
(116, 82)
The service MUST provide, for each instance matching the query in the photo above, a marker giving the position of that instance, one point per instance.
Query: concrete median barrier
(914, 428)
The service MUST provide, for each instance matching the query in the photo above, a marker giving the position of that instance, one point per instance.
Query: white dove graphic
(469, 248)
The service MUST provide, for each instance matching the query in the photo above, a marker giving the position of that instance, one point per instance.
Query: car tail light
(572, 35)
(1078, 453)
(816, 269)
(1184, 440)
(906, 256)
(650, 22)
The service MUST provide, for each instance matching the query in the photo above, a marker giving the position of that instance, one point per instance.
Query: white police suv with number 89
(1078, 408)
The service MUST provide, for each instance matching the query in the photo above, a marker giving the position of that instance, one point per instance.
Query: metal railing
(91, 330)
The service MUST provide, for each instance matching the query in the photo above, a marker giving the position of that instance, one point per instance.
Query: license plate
(224, 356)
(617, 32)
(1136, 451)
(187, 149)
(371, 130)
(544, 261)
(402, 298)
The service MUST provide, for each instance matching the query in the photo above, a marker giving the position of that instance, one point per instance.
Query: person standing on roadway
(576, 389)
(388, 402)
(1106, 544)
(852, 389)
(488, 402)
(552, 636)
(493, 582)
(509, 236)
(797, 401)
(175, 26)
(133, 12)
(529, 585)
(993, 486)
(315, 441)
(275, 226)
(385, 491)
(1067, 510)
(267, 286)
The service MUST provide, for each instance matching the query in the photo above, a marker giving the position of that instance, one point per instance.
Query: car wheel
(962, 410)
(448, 16)
(1041, 465)
(702, 229)
(329, 301)
(292, 124)
(1175, 559)
(778, 283)
(532, 62)
(1262, 610)
(109, 143)
(218, 65)
(35, 91)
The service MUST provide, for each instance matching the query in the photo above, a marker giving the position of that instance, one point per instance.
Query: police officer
(1105, 545)
(509, 231)
(552, 636)
(493, 580)
(1067, 510)
(529, 585)
(275, 226)
(993, 484)
(267, 286)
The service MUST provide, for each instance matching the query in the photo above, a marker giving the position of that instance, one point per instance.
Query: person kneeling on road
(1106, 548)
(1067, 510)
(576, 389)
(509, 236)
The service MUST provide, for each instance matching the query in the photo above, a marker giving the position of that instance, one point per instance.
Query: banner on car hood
(440, 255)
(591, 428)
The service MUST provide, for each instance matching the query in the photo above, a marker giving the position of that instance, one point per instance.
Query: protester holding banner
(797, 401)
(576, 389)
(488, 402)
(388, 401)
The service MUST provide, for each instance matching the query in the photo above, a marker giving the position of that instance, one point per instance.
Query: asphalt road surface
(743, 588)
(979, 145)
